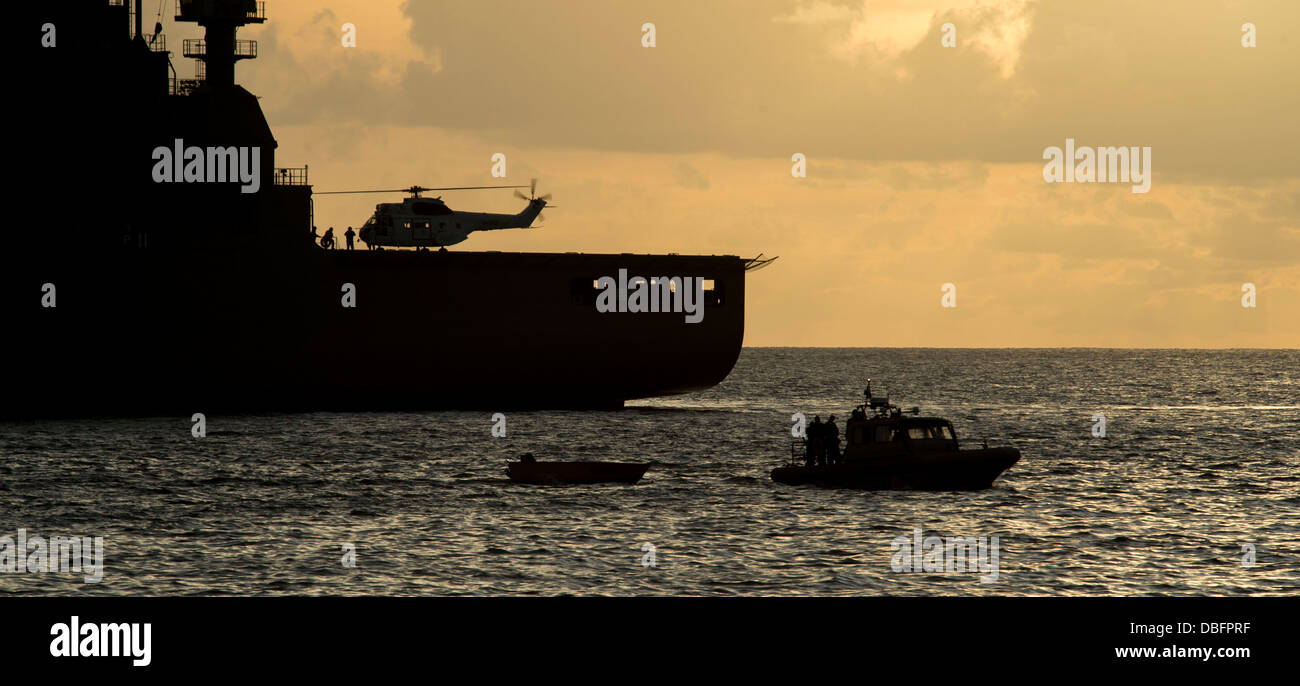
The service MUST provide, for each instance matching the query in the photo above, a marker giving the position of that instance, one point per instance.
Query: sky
(925, 181)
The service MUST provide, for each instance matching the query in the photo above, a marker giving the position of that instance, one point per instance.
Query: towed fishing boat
(887, 450)
(530, 471)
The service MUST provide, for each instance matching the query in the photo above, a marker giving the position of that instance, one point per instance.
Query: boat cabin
(878, 428)
(893, 434)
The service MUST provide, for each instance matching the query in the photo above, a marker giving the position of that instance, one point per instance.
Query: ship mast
(219, 49)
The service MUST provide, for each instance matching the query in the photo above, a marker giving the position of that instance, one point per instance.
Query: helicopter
(428, 222)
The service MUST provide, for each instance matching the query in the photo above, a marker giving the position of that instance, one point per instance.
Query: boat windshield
(933, 431)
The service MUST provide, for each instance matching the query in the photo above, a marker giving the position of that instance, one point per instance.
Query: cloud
(883, 30)
(766, 78)
(913, 182)
(688, 176)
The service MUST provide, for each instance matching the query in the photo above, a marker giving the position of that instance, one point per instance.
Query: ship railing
(157, 42)
(191, 10)
(798, 449)
(198, 48)
(290, 176)
(245, 48)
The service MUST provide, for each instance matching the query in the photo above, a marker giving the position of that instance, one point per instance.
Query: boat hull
(569, 473)
(963, 470)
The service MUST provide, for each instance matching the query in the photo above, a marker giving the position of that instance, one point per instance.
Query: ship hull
(140, 332)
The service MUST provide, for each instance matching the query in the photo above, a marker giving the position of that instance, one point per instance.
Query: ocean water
(1198, 473)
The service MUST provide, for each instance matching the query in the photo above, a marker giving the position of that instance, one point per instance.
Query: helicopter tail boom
(530, 213)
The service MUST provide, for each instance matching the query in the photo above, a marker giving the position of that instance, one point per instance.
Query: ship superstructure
(166, 285)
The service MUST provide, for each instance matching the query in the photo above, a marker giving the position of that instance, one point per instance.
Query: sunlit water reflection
(1199, 462)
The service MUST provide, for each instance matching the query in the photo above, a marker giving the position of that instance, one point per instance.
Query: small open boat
(532, 472)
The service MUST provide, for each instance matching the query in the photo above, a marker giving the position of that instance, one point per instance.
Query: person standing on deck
(349, 235)
(809, 458)
(832, 441)
(816, 437)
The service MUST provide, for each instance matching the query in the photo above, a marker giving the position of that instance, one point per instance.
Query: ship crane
(427, 222)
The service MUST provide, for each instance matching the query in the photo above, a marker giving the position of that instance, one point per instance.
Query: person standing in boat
(816, 437)
(808, 457)
(832, 441)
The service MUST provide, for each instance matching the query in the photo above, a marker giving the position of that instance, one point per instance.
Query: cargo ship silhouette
(123, 294)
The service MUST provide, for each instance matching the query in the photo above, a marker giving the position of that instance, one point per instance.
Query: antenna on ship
(219, 50)
(754, 264)
(157, 24)
(880, 406)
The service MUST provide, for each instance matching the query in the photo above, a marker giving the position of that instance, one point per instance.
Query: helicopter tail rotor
(532, 194)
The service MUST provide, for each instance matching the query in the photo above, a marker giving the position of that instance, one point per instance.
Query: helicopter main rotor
(417, 190)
